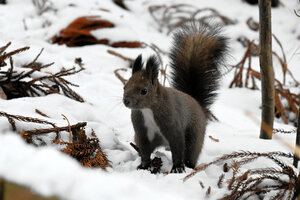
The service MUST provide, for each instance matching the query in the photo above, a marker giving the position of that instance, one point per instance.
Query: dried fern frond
(86, 150)
(281, 180)
(242, 154)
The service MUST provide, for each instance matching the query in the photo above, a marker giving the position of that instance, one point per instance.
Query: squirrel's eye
(144, 91)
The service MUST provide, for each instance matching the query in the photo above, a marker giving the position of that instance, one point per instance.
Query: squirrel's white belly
(150, 123)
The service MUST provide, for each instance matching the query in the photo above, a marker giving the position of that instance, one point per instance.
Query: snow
(49, 172)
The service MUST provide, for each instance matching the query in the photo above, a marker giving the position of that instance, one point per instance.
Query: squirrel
(177, 116)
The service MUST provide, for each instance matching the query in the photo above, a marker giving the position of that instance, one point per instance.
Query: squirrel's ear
(137, 64)
(152, 68)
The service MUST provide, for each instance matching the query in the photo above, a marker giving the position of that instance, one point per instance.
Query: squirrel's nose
(126, 101)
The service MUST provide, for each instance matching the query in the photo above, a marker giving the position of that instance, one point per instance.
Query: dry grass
(286, 101)
(173, 16)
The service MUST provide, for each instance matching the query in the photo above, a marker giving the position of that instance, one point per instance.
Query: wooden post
(266, 69)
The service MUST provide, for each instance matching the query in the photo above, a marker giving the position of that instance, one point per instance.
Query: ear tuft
(152, 68)
(137, 64)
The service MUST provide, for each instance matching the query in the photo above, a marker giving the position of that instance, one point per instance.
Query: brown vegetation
(84, 149)
(282, 93)
(78, 33)
(173, 16)
(30, 81)
(281, 180)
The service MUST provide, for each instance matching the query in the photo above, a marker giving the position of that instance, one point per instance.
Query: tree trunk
(266, 69)
(296, 157)
(297, 188)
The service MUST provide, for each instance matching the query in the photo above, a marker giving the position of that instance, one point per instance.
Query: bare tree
(266, 69)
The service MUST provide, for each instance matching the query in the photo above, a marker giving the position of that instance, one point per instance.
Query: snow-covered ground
(50, 172)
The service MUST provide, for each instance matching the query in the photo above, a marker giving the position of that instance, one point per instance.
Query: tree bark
(266, 69)
(296, 157)
(297, 187)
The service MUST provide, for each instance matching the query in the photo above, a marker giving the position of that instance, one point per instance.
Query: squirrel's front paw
(144, 165)
(178, 168)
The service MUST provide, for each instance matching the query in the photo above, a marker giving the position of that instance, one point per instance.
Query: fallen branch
(56, 129)
(11, 119)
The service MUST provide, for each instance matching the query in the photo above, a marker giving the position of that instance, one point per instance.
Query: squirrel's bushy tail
(197, 56)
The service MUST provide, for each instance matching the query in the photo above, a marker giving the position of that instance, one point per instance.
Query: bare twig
(120, 56)
(41, 113)
(70, 132)
(56, 129)
(42, 6)
(253, 25)
(213, 139)
(135, 147)
(296, 13)
(119, 76)
(11, 119)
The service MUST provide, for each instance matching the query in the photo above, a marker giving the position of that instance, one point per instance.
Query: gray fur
(177, 117)
(181, 122)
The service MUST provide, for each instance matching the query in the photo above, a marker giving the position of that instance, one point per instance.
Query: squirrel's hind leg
(176, 142)
(193, 144)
